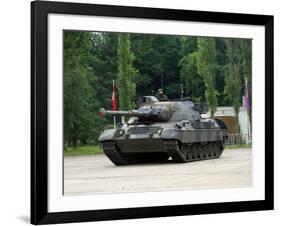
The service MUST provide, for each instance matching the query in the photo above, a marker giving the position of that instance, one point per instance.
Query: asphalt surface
(96, 174)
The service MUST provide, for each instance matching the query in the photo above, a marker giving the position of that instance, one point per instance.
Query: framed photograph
(145, 112)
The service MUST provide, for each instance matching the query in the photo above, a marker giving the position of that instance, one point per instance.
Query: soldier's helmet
(160, 90)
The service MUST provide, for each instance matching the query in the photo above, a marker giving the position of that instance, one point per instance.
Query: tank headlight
(160, 131)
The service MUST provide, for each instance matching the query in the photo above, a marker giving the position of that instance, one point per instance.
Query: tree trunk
(74, 141)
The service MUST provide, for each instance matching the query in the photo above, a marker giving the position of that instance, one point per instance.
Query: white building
(228, 115)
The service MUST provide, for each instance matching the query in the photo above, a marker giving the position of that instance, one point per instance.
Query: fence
(239, 139)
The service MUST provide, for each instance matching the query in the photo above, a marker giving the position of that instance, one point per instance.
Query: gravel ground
(96, 174)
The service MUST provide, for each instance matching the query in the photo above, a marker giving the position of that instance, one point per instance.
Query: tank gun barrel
(157, 113)
(130, 113)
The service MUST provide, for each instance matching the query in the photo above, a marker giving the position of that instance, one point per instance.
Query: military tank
(158, 131)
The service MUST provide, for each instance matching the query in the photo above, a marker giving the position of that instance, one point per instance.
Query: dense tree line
(208, 69)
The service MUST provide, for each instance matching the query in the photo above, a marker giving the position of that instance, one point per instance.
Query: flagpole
(247, 108)
(247, 126)
(114, 103)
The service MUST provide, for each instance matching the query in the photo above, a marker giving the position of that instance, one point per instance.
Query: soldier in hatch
(161, 96)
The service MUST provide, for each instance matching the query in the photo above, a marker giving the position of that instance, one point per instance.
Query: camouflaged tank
(158, 131)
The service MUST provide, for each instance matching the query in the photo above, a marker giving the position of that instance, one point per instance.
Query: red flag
(114, 101)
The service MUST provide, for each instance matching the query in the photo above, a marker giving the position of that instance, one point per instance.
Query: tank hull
(179, 145)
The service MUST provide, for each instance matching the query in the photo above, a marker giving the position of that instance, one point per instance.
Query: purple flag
(247, 102)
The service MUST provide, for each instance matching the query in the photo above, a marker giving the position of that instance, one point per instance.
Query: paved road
(96, 174)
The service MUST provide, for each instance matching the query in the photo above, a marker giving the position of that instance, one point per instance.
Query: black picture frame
(39, 112)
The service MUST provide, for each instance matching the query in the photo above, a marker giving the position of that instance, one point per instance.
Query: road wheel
(184, 150)
(195, 151)
(212, 149)
(189, 152)
(207, 150)
(220, 147)
(201, 151)
(216, 149)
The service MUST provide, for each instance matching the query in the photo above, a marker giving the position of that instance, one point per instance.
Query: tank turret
(152, 112)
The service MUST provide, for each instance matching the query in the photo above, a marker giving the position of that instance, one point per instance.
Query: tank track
(109, 149)
(181, 153)
(119, 159)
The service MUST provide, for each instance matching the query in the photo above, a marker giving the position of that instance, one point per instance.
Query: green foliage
(156, 58)
(80, 102)
(126, 73)
(233, 85)
(237, 146)
(206, 64)
(193, 83)
(104, 63)
(220, 68)
(83, 150)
